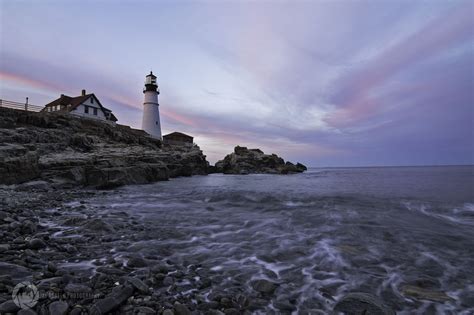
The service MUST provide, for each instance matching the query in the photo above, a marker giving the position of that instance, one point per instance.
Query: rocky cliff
(66, 150)
(251, 161)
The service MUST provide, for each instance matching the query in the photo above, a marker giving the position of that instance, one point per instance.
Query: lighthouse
(151, 112)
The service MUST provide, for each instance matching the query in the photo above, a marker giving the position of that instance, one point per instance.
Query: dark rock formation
(249, 161)
(68, 150)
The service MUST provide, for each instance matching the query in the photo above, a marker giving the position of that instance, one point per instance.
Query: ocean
(404, 234)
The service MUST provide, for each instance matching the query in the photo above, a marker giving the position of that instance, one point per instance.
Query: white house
(86, 105)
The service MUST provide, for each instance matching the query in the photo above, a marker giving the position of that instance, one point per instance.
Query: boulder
(359, 303)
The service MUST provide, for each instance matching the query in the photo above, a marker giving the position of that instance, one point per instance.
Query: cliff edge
(67, 150)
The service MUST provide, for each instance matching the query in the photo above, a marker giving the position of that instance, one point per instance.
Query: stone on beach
(264, 286)
(112, 301)
(58, 308)
(359, 303)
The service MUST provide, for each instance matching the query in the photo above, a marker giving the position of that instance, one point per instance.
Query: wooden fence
(20, 106)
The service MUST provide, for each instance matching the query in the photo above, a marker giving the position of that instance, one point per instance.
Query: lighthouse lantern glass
(150, 80)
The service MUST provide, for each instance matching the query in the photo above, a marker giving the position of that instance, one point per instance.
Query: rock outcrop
(254, 161)
(68, 150)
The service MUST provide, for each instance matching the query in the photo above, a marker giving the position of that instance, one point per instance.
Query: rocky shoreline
(68, 247)
(56, 240)
(68, 151)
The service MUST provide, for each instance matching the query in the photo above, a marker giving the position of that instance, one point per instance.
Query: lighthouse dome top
(151, 75)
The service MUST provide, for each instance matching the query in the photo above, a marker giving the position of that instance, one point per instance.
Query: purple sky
(327, 83)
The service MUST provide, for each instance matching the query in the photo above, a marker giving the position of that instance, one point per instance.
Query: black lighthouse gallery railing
(20, 106)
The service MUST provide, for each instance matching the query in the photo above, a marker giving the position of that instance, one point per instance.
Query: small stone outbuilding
(178, 138)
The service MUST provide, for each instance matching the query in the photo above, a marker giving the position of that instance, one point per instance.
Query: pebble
(180, 309)
(36, 243)
(167, 281)
(139, 285)
(362, 303)
(264, 286)
(58, 308)
(112, 301)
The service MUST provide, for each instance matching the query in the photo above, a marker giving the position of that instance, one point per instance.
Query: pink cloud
(355, 99)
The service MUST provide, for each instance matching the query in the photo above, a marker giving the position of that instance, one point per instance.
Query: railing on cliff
(20, 106)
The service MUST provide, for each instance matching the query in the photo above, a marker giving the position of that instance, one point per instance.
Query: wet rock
(168, 281)
(45, 284)
(8, 307)
(112, 301)
(180, 309)
(98, 225)
(362, 303)
(231, 311)
(424, 294)
(143, 310)
(76, 311)
(14, 271)
(28, 227)
(137, 262)
(139, 285)
(160, 268)
(38, 185)
(77, 288)
(36, 243)
(284, 306)
(264, 286)
(27, 311)
(111, 271)
(58, 308)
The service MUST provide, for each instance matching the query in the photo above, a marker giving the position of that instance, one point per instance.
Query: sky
(325, 83)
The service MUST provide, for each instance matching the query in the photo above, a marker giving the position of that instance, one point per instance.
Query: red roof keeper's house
(86, 105)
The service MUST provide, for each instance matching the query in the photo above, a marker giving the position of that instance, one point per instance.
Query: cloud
(356, 96)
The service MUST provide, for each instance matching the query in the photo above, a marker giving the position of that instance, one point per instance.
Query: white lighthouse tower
(151, 112)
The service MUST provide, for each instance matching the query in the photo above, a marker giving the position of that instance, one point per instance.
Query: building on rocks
(85, 105)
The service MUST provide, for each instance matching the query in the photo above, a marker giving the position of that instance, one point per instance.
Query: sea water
(404, 234)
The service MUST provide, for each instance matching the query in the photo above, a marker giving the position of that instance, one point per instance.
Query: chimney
(62, 95)
(83, 92)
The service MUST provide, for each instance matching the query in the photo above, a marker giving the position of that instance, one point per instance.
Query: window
(92, 100)
(86, 109)
(95, 111)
